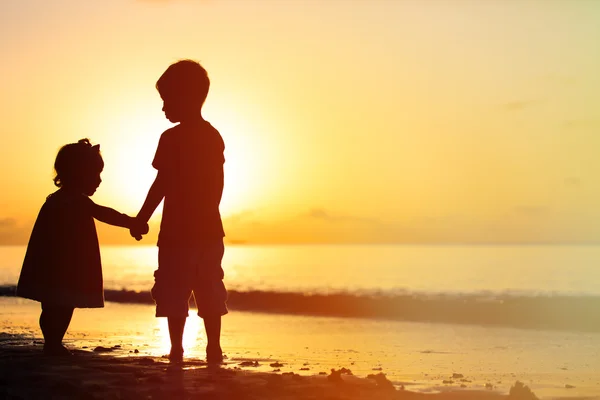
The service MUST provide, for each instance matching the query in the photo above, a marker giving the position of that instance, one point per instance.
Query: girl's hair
(75, 160)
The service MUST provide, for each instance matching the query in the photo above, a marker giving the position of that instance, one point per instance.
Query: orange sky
(344, 121)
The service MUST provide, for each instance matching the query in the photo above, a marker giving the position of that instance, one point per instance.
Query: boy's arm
(153, 199)
(220, 185)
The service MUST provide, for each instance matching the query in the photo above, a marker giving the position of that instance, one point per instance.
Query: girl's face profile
(91, 182)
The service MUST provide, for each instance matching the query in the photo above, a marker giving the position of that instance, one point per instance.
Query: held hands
(138, 228)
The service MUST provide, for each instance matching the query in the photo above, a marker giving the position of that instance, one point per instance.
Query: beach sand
(109, 373)
(119, 354)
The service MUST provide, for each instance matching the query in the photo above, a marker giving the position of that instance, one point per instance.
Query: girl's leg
(54, 322)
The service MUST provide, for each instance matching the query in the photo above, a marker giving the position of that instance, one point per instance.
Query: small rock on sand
(249, 364)
(382, 381)
(336, 375)
(102, 349)
(520, 391)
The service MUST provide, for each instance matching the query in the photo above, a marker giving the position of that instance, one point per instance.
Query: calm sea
(421, 313)
(529, 286)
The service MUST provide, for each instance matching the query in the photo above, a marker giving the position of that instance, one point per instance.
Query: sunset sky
(344, 121)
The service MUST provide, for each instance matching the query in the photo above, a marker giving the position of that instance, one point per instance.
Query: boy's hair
(74, 160)
(186, 80)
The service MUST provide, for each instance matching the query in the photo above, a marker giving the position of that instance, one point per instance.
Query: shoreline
(541, 312)
(103, 373)
(424, 358)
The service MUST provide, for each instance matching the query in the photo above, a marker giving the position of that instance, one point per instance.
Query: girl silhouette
(62, 267)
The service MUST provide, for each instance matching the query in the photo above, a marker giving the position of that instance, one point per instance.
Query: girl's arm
(111, 216)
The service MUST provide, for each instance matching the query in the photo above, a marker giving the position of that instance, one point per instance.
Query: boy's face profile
(170, 109)
(177, 109)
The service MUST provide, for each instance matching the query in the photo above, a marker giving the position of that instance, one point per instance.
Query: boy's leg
(54, 322)
(176, 327)
(211, 296)
(171, 294)
(212, 325)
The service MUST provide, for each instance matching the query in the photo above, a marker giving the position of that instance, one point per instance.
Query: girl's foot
(56, 351)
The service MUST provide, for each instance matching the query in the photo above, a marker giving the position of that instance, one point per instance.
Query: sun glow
(245, 165)
(129, 150)
(194, 337)
(128, 153)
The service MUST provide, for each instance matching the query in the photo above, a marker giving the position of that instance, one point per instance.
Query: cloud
(322, 225)
(7, 223)
(531, 211)
(572, 181)
(518, 105)
(576, 124)
(322, 214)
(317, 225)
(563, 80)
(319, 213)
(527, 223)
(173, 1)
(241, 216)
(12, 233)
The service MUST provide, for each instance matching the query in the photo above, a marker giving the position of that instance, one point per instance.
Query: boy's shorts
(186, 270)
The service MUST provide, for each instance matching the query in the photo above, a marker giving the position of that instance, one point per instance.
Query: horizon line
(303, 243)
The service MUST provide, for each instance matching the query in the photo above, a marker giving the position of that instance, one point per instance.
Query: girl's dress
(62, 264)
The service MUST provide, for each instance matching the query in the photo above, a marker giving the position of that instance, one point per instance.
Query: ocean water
(541, 287)
(419, 314)
(360, 269)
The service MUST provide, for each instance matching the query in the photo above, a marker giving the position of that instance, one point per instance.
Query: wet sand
(114, 373)
(274, 356)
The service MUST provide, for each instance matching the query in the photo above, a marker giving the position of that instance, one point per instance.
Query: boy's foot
(176, 356)
(214, 356)
(56, 351)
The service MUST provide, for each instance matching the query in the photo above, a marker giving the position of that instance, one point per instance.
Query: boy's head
(183, 88)
(78, 167)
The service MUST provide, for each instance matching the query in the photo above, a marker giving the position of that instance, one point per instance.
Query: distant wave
(575, 313)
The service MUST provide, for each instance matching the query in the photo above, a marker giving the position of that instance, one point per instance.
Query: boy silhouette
(189, 160)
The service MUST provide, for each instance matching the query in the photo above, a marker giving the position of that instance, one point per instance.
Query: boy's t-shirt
(190, 159)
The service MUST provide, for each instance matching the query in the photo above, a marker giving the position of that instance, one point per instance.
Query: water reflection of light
(194, 337)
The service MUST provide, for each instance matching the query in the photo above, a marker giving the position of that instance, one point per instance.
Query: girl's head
(78, 167)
